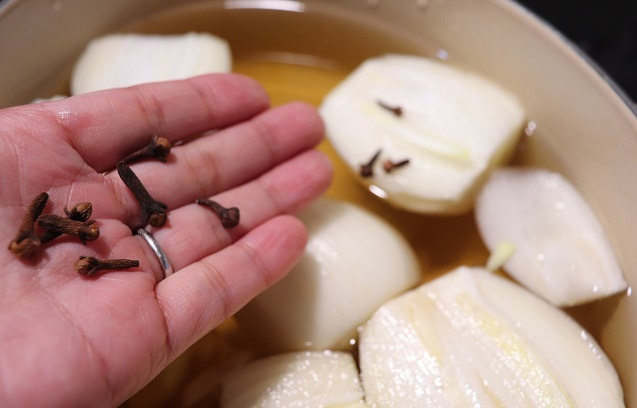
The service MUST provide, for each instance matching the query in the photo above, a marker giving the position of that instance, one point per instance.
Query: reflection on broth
(302, 56)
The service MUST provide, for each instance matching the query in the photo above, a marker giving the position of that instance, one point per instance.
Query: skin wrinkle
(214, 96)
(267, 139)
(45, 278)
(10, 153)
(15, 297)
(251, 253)
(271, 191)
(159, 356)
(28, 119)
(77, 178)
(67, 132)
(169, 349)
(151, 109)
(94, 357)
(212, 175)
(214, 224)
(217, 280)
(209, 111)
(72, 188)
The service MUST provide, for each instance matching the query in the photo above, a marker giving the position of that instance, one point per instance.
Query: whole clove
(229, 216)
(153, 212)
(366, 169)
(390, 166)
(396, 110)
(26, 241)
(79, 212)
(84, 230)
(89, 265)
(158, 148)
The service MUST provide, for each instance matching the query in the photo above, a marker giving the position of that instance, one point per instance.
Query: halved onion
(452, 125)
(561, 250)
(354, 261)
(300, 379)
(472, 338)
(120, 60)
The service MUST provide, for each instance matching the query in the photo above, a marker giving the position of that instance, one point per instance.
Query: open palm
(68, 340)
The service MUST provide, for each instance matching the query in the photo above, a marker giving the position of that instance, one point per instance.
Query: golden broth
(302, 55)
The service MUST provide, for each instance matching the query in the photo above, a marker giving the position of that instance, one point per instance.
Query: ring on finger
(167, 269)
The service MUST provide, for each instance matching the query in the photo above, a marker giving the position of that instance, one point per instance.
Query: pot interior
(582, 127)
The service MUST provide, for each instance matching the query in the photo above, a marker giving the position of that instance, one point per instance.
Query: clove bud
(84, 230)
(366, 169)
(229, 216)
(158, 148)
(25, 241)
(390, 166)
(79, 212)
(153, 211)
(89, 265)
(396, 110)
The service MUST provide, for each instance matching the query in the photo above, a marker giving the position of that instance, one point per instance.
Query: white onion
(471, 338)
(354, 261)
(300, 379)
(120, 60)
(454, 128)
(49, 99)
(561, 250)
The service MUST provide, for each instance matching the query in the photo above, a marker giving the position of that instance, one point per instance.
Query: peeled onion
(120, 60)
(452, 125)
(354, 261)
(300, 379)
(561, 250)
(471, 338)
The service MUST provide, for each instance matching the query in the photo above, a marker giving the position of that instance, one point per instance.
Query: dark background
(605, 30)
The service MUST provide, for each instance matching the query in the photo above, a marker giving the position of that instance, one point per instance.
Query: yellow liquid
(302, 56)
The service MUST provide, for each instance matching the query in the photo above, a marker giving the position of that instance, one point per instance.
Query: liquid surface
(302, 56)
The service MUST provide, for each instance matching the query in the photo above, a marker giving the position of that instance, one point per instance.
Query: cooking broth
(301, 54)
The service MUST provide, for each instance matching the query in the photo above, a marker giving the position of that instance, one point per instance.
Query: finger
(105, 126)
(229, 158)
(196, 231)
(201, 296)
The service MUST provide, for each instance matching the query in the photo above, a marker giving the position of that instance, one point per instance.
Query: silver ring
(161, 256)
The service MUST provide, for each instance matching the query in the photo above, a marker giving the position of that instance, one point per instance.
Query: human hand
(68, 340)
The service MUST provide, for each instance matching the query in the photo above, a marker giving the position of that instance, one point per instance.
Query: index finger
(105, 126)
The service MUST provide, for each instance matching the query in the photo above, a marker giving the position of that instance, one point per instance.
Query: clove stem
(229, 216)
(25, 241)
(153, 211)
